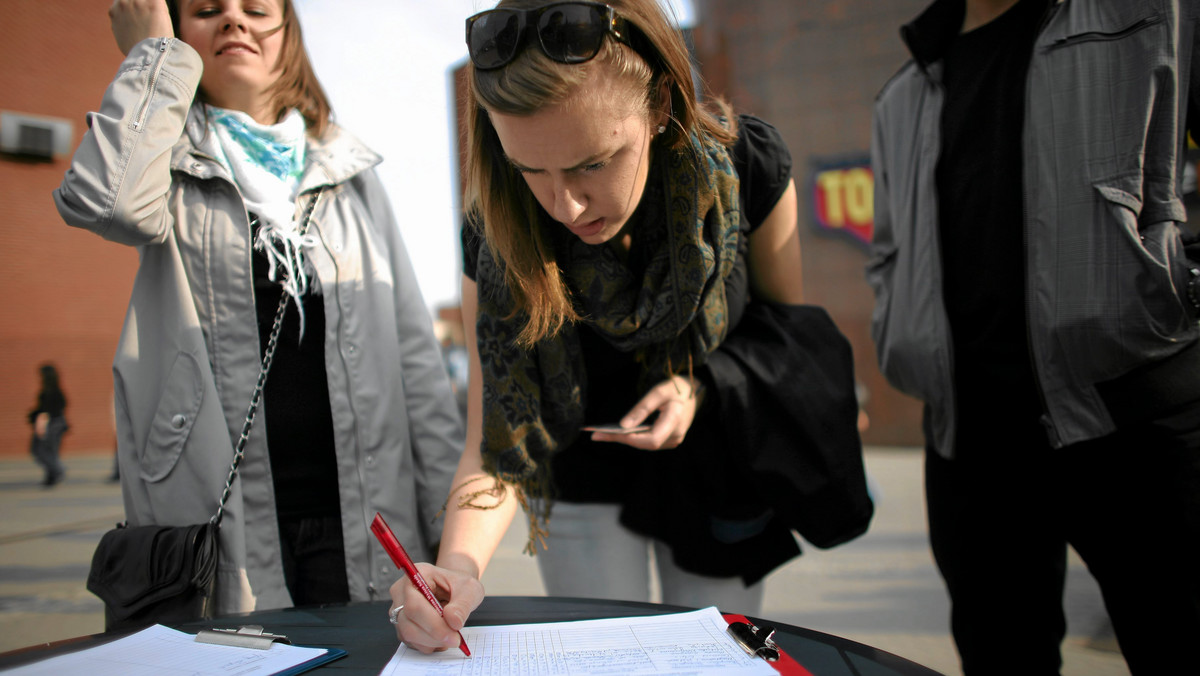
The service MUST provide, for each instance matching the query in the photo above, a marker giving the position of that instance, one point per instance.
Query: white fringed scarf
(267, 162)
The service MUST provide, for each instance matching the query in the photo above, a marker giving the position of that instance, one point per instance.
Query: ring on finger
(394, 614)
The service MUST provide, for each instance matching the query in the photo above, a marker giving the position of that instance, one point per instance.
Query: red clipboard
(751, 639)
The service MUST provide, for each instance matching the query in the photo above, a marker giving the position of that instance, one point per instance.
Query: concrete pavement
(881, 589)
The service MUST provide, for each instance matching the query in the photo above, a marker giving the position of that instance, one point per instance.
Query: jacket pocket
(1156, 265)
(173, 420)
(1118, 22)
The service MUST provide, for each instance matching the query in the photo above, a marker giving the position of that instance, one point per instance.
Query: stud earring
(662, 128)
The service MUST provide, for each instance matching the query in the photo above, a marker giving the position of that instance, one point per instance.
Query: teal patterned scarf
(267, 163)
(671, 316)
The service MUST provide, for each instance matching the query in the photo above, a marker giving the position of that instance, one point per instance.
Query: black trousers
(1002, 513)
(314, 560)
(45, 450)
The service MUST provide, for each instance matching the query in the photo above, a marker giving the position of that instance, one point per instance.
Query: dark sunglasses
(568, 32)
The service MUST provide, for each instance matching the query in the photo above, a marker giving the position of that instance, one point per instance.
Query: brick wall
(63, 292)
(812, 69)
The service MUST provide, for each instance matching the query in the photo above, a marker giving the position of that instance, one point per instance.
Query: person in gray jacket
(207, 148)
(1032, 289)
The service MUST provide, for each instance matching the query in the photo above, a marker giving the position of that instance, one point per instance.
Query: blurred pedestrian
(49, 424)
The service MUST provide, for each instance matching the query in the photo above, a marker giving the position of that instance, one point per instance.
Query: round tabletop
(363, 631)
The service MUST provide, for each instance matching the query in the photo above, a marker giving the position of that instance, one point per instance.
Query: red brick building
(811, 68)
(63, 292)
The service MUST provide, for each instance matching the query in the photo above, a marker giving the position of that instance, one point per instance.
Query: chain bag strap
(268, 356)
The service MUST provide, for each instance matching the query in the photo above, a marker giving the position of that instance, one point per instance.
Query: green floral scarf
(672, 316)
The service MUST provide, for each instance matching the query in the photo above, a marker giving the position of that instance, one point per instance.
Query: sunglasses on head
(568, 32)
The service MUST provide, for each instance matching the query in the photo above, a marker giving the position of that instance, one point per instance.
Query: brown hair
(498, 199)
(297, 86)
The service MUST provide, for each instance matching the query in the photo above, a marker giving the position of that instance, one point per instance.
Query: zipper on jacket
(151, 83)
(1097, 36)
(948, 373)
(1046, 419)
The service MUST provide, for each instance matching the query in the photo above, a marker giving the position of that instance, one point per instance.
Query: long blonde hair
(498, 199)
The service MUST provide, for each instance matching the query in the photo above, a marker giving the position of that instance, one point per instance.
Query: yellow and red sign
(842, 195)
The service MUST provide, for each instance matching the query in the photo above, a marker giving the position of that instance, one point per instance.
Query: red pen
(400, 557)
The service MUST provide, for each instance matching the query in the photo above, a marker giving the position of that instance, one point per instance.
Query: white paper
(696, 642)
(161, 651)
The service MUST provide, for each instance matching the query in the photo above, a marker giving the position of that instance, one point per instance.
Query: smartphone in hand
(614, 428)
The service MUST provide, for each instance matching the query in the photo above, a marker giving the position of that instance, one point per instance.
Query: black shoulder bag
(167, 574)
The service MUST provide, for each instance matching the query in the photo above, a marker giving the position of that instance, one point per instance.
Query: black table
(362, 630)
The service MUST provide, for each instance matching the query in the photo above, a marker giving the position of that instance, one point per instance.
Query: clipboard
(758, 641)
(330, 655)
(161, 649)
(253, 636)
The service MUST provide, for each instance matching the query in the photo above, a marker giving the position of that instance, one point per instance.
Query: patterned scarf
(671, 316)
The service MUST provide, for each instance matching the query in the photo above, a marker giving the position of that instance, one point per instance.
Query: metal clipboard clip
(249, 636)
(756, 641)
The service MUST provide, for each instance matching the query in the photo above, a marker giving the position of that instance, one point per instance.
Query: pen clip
(756, 641)
(248, 636)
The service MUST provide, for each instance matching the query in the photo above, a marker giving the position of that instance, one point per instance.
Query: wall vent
(34, 136)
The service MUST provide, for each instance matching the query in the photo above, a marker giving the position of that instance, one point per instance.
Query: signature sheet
(684, 643)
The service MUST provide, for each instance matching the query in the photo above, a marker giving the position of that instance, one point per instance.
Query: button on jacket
(189, 357)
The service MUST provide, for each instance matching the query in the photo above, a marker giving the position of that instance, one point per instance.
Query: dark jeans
(45, 450)
(1002, 513)
(314, 560)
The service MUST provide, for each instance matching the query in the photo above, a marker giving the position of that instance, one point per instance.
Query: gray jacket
(1106, 275)
(189, 353)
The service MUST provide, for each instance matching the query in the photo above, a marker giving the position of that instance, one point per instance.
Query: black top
(980, 203)
(590, 471)
(299, 423)
(52, 402)
(752, 541)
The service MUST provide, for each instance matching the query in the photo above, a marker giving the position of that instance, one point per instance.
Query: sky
(387, 67)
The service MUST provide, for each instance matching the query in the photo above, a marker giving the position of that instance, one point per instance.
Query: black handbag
(167, 574)
(149, 574)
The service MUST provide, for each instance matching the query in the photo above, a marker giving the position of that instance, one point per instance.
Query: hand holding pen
(400, 557)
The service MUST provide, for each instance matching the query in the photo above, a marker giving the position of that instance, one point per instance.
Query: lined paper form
(160, 651)
(696, 642)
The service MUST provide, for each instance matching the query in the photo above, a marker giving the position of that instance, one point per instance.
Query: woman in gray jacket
(208, 147)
